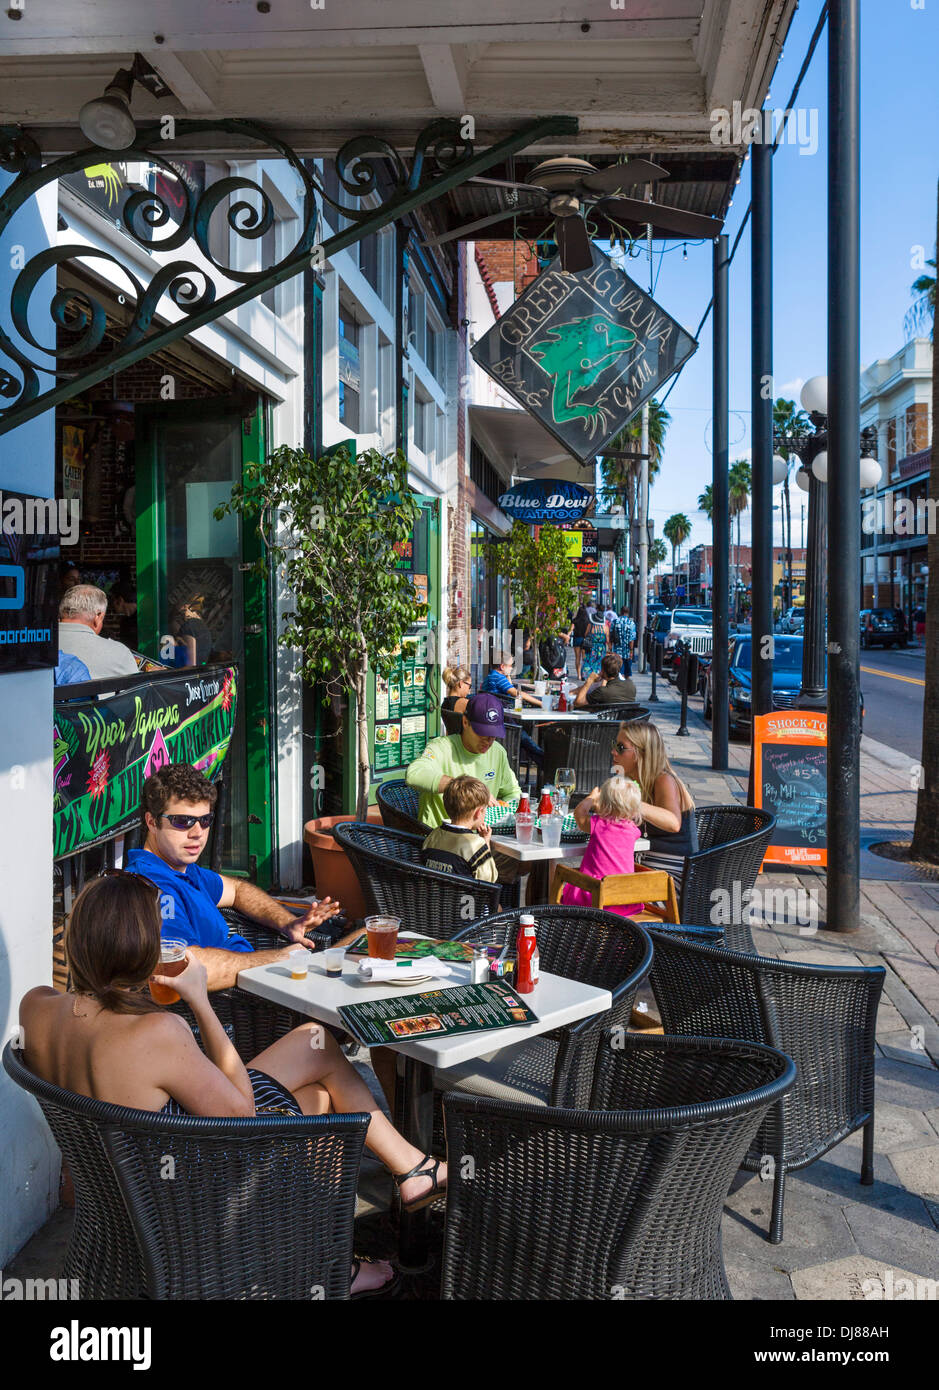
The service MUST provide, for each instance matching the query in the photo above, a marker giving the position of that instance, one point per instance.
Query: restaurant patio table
(536, 852)
(530, 715)
(555, 1000)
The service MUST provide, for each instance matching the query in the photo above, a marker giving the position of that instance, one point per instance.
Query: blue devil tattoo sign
(582, 351)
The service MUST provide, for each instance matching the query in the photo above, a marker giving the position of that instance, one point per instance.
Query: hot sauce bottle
(528, 968)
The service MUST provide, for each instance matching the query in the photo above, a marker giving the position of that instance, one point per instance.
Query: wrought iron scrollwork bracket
(442, 160)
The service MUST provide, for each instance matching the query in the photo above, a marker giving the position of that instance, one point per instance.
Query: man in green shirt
(473, 752)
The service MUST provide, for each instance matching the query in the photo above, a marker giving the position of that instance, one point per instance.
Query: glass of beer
(382, 935)
(172, 962)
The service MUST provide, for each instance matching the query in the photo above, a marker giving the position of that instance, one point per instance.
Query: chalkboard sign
(791, 780)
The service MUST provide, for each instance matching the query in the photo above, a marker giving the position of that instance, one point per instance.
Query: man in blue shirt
(499, 682)
(71, 671)
(177, 808)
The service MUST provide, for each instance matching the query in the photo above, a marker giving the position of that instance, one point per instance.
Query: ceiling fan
(563, 188)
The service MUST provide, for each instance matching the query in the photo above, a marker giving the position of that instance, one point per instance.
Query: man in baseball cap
(483, 713)
(475, 752)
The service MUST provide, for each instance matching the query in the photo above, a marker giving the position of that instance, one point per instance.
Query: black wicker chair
(621, 1201)
(628, 713)
(388, 866)
(397, 805)
(732, 841)
(452, 722)
(585, 746)
(260, 1208)
(581, 943)
(823, 1016)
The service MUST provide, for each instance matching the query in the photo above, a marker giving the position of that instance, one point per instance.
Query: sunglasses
(187, 822)
(125, 873)
(619, 747)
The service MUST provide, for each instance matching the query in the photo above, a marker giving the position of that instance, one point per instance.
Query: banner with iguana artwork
(582, 351)
(104, 750)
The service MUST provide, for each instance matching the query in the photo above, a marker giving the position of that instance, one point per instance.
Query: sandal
(390, 1286)
(421, 1170)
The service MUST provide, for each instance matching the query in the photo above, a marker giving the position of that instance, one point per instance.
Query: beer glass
(172, 962)
(382, 933)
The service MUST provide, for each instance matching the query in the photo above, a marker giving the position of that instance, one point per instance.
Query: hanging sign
(103, 751)
(790, 778)
(546, 501)
(582, 351)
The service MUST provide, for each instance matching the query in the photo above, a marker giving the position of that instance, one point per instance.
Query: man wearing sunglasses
(177, 808)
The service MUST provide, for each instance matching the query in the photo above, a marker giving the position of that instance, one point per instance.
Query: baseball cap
(484, 715)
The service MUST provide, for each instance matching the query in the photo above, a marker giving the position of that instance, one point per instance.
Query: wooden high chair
(618, 890)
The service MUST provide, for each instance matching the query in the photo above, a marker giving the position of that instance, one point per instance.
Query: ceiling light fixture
(107, 120)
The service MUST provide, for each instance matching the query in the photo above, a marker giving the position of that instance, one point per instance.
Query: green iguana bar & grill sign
(582, 351)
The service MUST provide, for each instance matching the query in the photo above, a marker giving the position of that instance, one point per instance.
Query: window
(269, 258)
(416, 323)
(350, 377)
(423, 425)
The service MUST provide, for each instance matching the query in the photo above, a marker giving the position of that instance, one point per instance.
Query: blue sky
(899, 167)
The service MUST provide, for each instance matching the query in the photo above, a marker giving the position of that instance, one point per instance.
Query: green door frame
(254, 692)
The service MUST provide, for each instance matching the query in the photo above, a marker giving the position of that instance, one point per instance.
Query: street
(892, 684)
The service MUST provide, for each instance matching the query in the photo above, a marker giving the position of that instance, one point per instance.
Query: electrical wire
(809, 54)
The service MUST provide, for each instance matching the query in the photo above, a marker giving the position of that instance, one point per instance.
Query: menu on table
(418, 948)
(437, 1013)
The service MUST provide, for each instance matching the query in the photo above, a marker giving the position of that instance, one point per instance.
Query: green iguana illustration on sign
(575, 354)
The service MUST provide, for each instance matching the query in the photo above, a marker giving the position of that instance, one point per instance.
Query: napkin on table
(387, 969)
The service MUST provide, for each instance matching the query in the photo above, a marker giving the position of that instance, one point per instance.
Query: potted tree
(329, 526)
(542, 578)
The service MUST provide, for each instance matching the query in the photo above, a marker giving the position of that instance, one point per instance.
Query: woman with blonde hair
(667, 808)
(459, 683)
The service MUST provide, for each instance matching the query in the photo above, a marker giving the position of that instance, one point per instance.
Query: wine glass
(565, 779)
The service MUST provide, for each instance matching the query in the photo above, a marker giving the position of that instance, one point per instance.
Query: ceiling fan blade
(508, 183)
(671, 222)
(573, 241)
(624, 175)
(480, 222)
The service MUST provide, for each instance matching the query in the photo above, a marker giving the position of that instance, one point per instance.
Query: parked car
(883, 627)
(692, 626)
(793, 620)
(787, 680)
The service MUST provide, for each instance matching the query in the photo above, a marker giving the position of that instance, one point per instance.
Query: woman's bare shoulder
(39, 997)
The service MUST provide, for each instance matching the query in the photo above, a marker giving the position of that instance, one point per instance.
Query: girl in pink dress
(611, 814)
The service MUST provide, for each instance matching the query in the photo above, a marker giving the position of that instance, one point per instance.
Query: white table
(536, 852)
(555, 1000)
(530, 715)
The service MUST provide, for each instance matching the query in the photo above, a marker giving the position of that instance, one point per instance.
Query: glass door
(197, 603)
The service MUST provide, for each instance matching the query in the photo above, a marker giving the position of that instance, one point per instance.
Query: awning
(519, 446)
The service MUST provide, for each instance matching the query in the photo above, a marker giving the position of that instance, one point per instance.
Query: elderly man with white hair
(81, 617)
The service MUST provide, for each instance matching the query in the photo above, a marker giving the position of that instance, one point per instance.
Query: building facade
(895, 516)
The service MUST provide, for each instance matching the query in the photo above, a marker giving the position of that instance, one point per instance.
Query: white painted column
(29, 1173)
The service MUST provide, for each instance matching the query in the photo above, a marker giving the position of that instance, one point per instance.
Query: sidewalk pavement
(838, 1234)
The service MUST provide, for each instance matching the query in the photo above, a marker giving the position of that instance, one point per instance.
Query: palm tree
(677, 530)
(706, 502)
(924, 310)
(622, 475)
(658, 553)
(739, 481)
(926, 830)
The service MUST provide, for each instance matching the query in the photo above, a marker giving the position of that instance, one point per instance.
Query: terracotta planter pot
(335, 876)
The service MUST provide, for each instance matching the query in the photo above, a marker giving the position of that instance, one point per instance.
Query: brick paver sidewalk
(839, 1234)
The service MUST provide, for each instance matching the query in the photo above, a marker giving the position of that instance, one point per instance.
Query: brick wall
(496, 259)
(917, 427)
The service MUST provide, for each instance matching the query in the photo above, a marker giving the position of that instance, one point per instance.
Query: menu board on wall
(401, 709)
